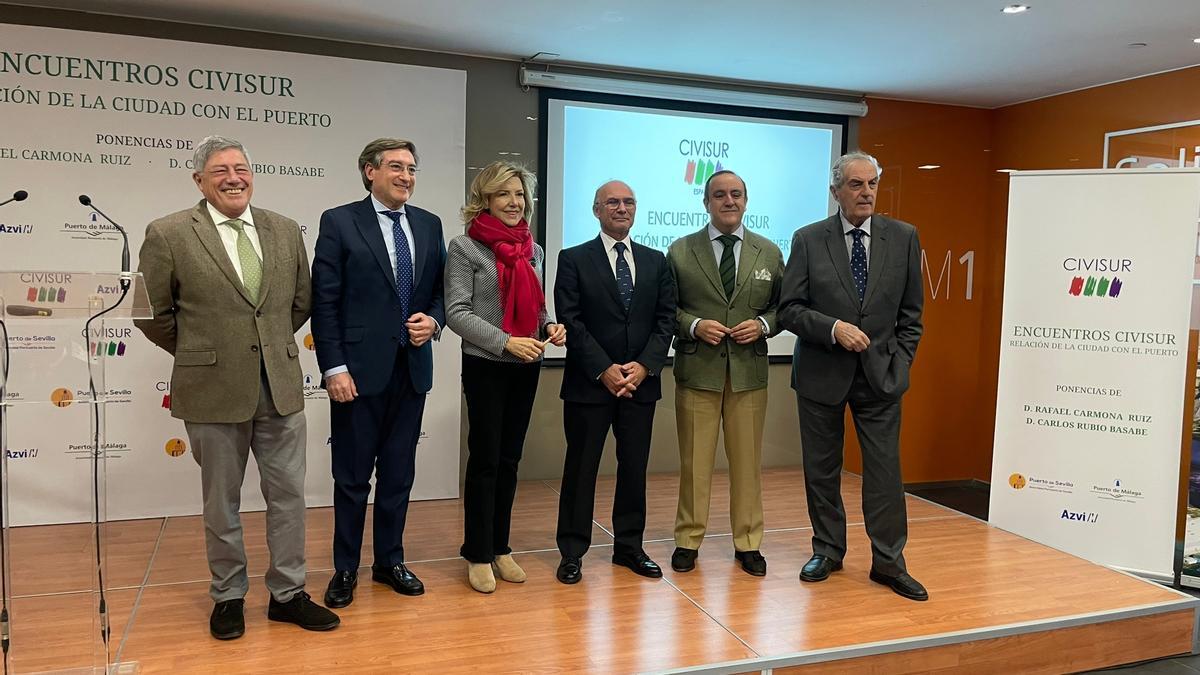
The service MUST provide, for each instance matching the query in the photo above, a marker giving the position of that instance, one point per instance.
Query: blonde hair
(489, 181)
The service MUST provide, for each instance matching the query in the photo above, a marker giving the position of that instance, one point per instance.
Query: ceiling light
(1007, 170)
(531, 118)
(502, 152)
(1015, 9)
(1196, 40)
(927, 167)
(515, 154)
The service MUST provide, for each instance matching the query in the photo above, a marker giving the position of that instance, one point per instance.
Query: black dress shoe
(340, 592)
(303, 612)
(753, 563)
(819, 567)
(640, 563)
(227, 621)
(570, 570)
(903, 584)
(399, 578)
(684, 559)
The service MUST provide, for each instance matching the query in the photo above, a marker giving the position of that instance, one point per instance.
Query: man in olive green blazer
(229, 286)
(728, 283)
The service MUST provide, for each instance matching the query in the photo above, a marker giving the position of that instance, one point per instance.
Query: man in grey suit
(229, 286)
(852, 294)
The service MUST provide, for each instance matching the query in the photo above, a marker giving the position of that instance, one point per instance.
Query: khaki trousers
(699, 416)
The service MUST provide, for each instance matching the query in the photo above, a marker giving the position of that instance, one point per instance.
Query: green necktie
(251, 265)
(728, 266)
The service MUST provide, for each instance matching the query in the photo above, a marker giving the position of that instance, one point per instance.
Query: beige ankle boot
(507, 569)
(480, 576)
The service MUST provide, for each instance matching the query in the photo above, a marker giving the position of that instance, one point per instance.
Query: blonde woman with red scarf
(495, 302)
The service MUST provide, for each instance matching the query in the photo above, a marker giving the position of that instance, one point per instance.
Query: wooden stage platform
(999, 603)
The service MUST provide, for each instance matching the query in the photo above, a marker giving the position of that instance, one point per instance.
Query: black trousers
(822, 431)
(586, 427)
(374, 434)
(499, 402)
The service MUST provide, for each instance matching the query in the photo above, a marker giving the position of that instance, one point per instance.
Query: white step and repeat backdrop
(1093, 360)
(116, 117)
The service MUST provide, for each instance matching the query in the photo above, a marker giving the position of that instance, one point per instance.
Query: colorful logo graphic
(1016, 481)
(108, 348)
(175, 447)
(308, 343)
(699, 170)
(46, 294)
(1093, 287)
(61, 397)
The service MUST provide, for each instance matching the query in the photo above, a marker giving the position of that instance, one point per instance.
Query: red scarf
(521, 295)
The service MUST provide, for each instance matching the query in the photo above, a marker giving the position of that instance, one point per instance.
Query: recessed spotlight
(1196, 40)
(515, 154)
(1136, 45)
(473, 168)
(502, 152)
(927, 167)
(1007, 170)
(1015, 9)
(531, 118)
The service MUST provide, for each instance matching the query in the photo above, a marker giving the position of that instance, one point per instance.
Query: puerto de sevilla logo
(61, 397)
(308, 342)
(1016, 481)
(175, 447)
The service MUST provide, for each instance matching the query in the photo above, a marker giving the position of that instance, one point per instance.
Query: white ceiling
(946, 51)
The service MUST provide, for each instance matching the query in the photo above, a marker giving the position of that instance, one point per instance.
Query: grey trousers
(278, 442)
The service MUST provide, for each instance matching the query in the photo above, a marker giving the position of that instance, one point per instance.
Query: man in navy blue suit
(377, 302)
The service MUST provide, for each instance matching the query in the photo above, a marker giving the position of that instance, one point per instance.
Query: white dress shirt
(611, 251)
(229, 236)
(389, 241)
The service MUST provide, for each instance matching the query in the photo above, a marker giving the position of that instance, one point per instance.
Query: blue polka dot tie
(624, 276)
(404, 268)
(858, 262)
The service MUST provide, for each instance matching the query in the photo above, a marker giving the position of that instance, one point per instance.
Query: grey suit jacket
(220, 339)
(819, 290)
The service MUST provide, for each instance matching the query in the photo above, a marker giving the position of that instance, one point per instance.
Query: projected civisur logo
(703, 160)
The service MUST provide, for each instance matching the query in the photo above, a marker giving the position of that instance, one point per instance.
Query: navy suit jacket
(600, 332)
(356, 318)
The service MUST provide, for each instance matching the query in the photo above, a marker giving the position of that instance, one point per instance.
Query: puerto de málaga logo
(703, 160)
(1099, 284)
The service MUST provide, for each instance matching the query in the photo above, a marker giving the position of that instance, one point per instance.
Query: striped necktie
(728, 266)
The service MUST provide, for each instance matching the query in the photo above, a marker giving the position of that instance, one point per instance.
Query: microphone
(126, 277)
(18, 196)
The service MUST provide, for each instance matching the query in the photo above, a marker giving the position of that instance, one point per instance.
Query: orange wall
(949, 415)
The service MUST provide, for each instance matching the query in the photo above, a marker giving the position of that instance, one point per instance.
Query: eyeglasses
(397, 167)
(614, 204)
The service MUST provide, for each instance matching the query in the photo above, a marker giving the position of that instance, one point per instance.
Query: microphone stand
(126, 279)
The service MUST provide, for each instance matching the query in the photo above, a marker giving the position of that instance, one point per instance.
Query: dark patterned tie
(858, 262)
(404, 268)
(728, 266)
(624, 276)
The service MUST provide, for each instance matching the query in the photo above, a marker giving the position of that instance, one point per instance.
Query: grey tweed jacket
(473, 299)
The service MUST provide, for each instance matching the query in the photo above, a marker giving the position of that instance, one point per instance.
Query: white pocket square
(763, 275)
